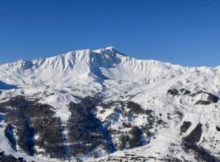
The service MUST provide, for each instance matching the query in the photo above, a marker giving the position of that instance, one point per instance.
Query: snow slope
(111, 75)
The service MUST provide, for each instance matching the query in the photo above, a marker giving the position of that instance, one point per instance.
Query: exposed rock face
(185, 126)
(210, 99)
(190, 146)
(172, 92)
(184, 91)
(176, 92)
(194, 136)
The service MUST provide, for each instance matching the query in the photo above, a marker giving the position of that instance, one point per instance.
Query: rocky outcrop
(176, 92)
(190, 146)
(210, 98)
(173, 92)
(185, 126)
(194, 136)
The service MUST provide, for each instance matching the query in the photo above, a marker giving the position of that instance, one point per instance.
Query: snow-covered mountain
(101, 105)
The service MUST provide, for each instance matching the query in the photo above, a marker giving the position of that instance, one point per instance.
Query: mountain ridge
(92, 61)
(96, 104)
(107, 50)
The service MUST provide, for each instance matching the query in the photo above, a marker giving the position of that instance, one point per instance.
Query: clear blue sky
(185, 32)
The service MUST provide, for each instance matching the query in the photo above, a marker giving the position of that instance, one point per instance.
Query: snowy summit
(102, 105)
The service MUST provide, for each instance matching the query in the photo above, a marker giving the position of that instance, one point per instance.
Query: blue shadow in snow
(5, 86)
(1, 117)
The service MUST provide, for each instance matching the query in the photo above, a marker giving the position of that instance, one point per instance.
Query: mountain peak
(117, 101)
(110, 47)
(86, 65)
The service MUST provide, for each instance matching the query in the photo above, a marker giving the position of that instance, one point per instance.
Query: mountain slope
(101, 105)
